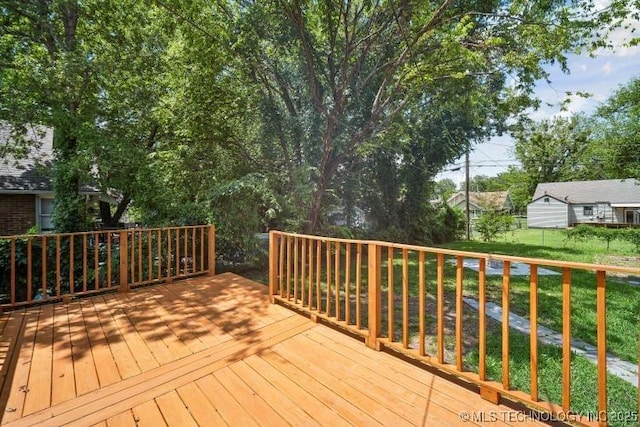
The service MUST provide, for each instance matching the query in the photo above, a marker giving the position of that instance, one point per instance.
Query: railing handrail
(103, 230)
(471, 254)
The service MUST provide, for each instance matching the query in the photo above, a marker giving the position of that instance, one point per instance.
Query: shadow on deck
(212, 351)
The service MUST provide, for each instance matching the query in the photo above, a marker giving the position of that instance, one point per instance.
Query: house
(338, 216)
(480, 202)
(604, 202)
(26, 190)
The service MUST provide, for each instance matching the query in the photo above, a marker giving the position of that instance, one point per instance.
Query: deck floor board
(208, 351)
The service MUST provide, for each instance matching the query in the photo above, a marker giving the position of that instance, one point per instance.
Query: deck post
(375, 302)
(273, 265)
(124, 261)
(211, 253)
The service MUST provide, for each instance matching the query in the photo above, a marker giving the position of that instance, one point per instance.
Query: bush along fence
(49, 267)
(412, 300)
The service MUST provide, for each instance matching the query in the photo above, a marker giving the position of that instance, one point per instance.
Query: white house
(565, 204)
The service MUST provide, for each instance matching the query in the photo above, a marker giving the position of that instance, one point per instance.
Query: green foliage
(449, 225)
(588, 232)
(493, 224)
(554, 150)
(617, 125)
(445, 188)
(632, 235)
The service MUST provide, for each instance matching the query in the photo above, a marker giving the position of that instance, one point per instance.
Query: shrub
(492, 224)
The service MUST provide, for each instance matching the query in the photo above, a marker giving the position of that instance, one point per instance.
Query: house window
(546, 200)
(587, 210)
(44, 211)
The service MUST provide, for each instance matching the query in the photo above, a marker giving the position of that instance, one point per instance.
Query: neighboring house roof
(482, 200)
(28, 174)
(613, 191)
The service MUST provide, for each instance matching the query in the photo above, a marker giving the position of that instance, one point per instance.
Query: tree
(617, 129)
(445, 188)
(337, 74)
(88, 69)
(515, 181)
(553, 150)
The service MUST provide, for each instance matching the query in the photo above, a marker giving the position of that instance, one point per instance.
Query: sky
(600, 76)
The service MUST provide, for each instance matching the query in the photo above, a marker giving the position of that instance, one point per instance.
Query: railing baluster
(44, 266)
(358, 285)
(288, 279)
(328, 302)
(303, 271)
(566, 339)
(390, 294)
(274, 240)
(96, 261)
(459, 310)
(282, 243)
(347, 284)
(140, 263)
(318, 271)
(109, 259)
(482, 319)
(601, 314)
(533, 336)
(421, 302)
(201, 250)
(375, 299)
(296, 249)
(12, 260)
(506, 274)
(185, 258)
(124, 258)
(337, 279)
(58, 266)
(85, 266)
(405, 298)
(149, 255)
(169, 255)
(71, 263)
(440, 306)
(159, 249)
(177, 252)
(194, 258)
(29, 267)
(310, 296)
(132, 255)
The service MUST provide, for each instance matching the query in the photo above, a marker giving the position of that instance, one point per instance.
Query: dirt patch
(619, 260)
(470, 325)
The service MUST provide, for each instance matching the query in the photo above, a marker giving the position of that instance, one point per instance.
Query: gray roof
(30, 172)
(27, 173)
(607, 190)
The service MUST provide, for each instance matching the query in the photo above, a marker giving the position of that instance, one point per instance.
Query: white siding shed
(548, 212)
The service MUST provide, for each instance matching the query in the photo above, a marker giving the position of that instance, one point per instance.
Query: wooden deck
(212, 351)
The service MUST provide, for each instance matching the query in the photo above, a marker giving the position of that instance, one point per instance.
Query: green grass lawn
(623, 300)
(547, 244)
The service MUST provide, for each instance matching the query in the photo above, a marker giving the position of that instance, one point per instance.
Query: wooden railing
(410, 299)
(49, 267)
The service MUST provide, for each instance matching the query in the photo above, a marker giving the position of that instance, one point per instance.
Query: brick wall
(17, 213)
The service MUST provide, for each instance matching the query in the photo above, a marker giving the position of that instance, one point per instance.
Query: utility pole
(466, 192)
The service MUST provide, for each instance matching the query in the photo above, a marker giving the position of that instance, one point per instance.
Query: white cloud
(607, 68)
